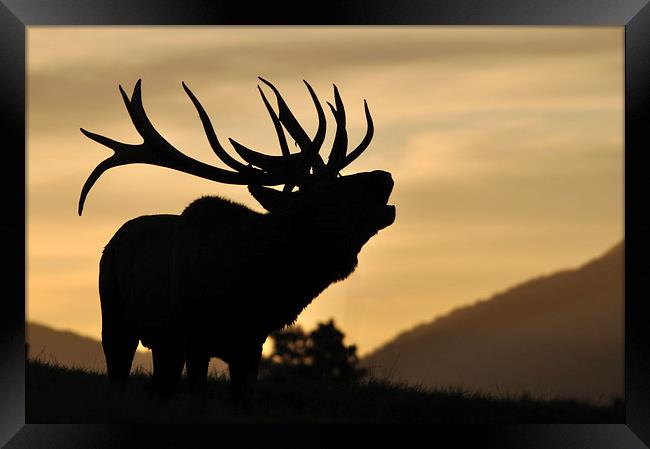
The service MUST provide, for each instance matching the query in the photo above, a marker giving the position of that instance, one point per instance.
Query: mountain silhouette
(73, 350)
(559, 335)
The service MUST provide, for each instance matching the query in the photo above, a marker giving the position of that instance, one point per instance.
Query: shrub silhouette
(319, 355)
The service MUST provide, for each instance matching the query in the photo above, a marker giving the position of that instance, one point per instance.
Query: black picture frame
(16, 15)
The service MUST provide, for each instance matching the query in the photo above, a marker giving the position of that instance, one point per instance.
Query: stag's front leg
(243, 376)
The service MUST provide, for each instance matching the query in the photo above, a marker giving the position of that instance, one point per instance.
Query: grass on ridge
(56, 394)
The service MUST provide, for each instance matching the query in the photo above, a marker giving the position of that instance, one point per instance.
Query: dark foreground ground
(60, 395)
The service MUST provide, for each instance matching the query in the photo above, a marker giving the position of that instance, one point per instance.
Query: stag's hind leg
(119, 348)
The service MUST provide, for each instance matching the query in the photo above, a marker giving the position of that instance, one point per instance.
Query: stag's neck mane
(307, 264)
(314, 254)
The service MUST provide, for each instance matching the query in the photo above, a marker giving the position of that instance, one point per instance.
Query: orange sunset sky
(505, 144)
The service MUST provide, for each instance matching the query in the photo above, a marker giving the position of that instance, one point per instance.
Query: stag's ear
(272, 200)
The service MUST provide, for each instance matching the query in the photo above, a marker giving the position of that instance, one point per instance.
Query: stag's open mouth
(382, 191)
(387, 216)
(383, 187)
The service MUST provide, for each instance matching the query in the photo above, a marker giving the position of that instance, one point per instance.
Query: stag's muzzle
(382, 186)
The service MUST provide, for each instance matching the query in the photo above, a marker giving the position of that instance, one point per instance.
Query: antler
(288, 169)
(155, 150)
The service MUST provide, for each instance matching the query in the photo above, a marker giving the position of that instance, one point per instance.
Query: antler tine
(276, 123)
(270, 164)
(139, 117)
(340, 144)
(155, 150)
(319, 137)
(287, 163)
(280, 132)
(364, 143)
(118, 147)
(307, 146)
(212, 136)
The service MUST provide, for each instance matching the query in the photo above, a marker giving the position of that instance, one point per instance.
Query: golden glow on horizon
(506, 145)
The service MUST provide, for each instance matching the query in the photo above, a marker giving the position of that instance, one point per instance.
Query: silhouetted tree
(319, 355)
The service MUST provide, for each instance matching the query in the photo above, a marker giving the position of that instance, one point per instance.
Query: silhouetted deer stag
(216, 280)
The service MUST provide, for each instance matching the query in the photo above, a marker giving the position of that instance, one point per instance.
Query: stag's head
(346, 208)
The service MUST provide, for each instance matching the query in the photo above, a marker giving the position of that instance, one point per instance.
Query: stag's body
(216, 280)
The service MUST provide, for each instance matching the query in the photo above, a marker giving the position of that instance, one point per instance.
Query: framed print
(426, 156)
